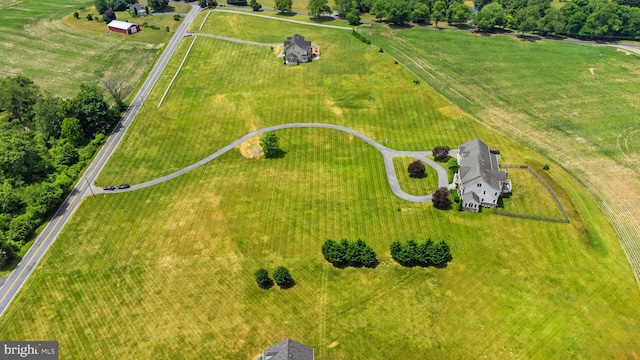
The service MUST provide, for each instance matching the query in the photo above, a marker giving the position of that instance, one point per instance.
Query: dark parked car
(124, 186)
(495, 151)
(109, 187)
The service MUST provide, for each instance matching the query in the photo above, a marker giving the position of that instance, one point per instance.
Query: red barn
(123, 27)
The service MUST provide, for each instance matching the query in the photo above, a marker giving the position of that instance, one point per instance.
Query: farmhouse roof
(138, 8)
(477, 161)
(120, 24)
(298, 40)
(288, 350)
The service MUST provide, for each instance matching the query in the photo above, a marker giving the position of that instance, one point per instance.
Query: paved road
(387, 154)
(42, 243)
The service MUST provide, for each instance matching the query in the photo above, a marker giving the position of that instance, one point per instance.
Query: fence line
(553, 195)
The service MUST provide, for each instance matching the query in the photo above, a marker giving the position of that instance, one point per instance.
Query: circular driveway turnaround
(387, 155)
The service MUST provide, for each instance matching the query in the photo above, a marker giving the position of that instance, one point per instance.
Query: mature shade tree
(109, 16)
(119, 5)
(71, 131)
(526, 19)
(440, 153)
(284, 6)
(490, 16)
(353, 17)
(630, 17)
(262, 278)
(64, 154)
(283, 278)
(342, 7)
(207, 3)
(19, 158)
(47, 118)
(270, 144)
(398, 12)
(379, 9)
(90, 107)
(416, 169)
(440, 198)
(553, 22)
(318, 7)
(439, 11)
(420, 13)
(6, 254)
(17, 97)
(479, 4)
(101, 6)
(255, 6)
(9, 200)
(117, 88)
(459, 14)
(602, 21)
(157, 5)
(333, 252)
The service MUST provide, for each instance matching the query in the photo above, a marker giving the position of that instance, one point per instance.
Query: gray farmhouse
(479, 180)
(288, 350)
(297, 50)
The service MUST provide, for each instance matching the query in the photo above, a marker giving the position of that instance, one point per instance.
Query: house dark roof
(288, 350)
(298, 40)
(138, 7)
(478, 162)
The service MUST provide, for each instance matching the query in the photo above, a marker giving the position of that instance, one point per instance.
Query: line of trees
(400, 12)
(281, 276)
(349, 253)
(427, 253)
(582, 18)
(114, 5)
(45, 142)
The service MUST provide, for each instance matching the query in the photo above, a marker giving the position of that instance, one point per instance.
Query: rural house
(123, 27)
(288, 350)
(298, 50)
(137, 9)
(479, 180)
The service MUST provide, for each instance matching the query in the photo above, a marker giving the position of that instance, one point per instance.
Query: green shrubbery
(423, 254)
(349, 253)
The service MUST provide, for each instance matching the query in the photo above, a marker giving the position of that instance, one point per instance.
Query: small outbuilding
(138, 9)
(123, 27)
(288, 350)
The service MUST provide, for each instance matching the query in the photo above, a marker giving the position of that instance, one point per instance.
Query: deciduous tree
(440, 198)
(416, 169)
(262, 278)
(270, 145)
(284, 6)
(282, 277)
(318, 7)
(439, 11)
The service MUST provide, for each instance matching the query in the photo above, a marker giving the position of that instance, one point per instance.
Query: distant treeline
(44, 144)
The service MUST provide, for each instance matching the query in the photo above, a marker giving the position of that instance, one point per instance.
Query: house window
(484, 192)
(496, 194)
(479, 185)
(482, 200)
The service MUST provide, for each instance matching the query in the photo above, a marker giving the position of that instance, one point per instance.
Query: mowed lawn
(226, 90)
(35, 42)
(411, 185)
(167, 272)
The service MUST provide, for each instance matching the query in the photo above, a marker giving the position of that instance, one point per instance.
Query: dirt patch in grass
(592, 71)
(334, 108)
(251, 148)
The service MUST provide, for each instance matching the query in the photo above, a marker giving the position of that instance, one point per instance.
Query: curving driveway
(387, 155)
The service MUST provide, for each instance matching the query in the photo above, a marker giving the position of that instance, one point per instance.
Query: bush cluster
(360, 37)
(281, 276)
(423, 254)
(349, 253)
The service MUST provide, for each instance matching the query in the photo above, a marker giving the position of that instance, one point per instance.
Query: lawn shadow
(322, 19)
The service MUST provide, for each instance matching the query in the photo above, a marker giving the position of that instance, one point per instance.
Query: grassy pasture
(414, 186)
(37, 42)
(530, 197)
(352, 84)
(166, 272)
(575, 103)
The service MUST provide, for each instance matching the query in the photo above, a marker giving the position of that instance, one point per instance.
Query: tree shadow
(418, 176)
(399, 26)
(529, 38)
(322, 19)
(287, 13)
(288, 285)
(267, 286)
(277, 154)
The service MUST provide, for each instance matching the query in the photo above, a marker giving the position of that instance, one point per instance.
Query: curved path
(387, 155)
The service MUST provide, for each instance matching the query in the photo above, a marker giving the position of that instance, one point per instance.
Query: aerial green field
(575, 103)
(167, 272)
(36, 42)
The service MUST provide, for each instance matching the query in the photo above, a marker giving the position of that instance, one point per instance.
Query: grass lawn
(577, 104)
(530, 197)
(167, 272)
(42, 41)
(415, 186)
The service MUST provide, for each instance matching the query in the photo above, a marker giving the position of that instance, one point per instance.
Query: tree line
(581, 18)
(45, 142)
(349, 253)
(427, 253)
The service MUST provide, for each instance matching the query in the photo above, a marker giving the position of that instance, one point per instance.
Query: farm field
(36, 42)
(167, 271)
(577, 104)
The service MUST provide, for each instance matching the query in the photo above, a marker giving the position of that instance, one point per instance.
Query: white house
(479, 180)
